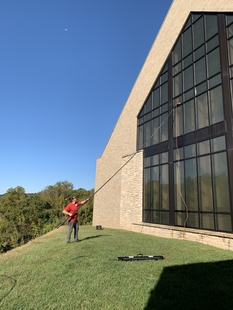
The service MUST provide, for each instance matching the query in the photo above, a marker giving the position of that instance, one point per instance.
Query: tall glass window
(196, 79)
(153, 118)
(182, 129)
(156, 189)
(201, 186)
(229, 31)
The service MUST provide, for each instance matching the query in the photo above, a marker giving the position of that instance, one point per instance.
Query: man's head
(73, 199)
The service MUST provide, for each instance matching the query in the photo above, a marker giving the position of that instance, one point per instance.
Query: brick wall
(131, 190)
(217, 239)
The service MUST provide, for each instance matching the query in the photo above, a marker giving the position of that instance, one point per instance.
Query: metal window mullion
(170, 144)
(227, 104)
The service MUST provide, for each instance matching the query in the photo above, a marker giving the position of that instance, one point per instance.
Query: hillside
(47, 273)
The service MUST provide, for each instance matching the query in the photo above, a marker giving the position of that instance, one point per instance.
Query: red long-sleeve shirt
(73, 208)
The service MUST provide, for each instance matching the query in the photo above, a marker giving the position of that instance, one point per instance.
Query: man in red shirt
(72, 210)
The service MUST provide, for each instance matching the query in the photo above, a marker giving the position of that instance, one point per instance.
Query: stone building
(171, 150)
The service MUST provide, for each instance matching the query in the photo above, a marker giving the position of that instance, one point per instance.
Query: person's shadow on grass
(96, 236)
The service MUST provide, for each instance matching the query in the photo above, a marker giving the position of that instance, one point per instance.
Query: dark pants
(71, 226)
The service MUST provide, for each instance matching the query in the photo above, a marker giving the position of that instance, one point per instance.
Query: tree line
(24, 217)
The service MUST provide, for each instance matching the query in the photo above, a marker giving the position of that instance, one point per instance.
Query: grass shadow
(199, 286)
(96, 236)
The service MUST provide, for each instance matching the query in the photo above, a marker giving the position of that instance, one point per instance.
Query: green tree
(27, 216)
(86, 212)
(11, 207)
(58, 194)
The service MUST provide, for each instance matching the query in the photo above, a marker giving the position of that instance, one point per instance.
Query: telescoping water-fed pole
(117, 170)
(72, 214)
(99, 188)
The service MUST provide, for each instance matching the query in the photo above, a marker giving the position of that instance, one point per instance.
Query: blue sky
(66, 70)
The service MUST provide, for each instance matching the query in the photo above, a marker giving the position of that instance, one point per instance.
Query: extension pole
(119, 168)
(69, 216)
(101, 187)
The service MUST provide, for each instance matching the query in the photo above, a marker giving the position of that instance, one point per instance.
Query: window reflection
(202, 111)
(191, 185)
(220, 182)
(205, 185)
(199, 171)
(216, 105)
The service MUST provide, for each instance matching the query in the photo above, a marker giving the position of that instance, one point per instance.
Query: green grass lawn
(47, 273)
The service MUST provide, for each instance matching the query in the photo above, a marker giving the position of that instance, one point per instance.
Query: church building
(170, 154)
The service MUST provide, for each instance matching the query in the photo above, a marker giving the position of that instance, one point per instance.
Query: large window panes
(211, 44)
(207, 221)
(178, 121)
(164, 93)
(186, 189)
(201, 189)
(220, 179)
(164, 188)
(214, 81)
(230, 51)
(202, 112)
(218, 144)
(203, 147)
(216, 105)
(179, 192)
(156, 189)
(198, 28)
(229, 30)
(187, 42)
(177, 84)
(189, 117)
(211, 25)
(223, 222)
(147, 134)
(196, 181)
(205, 184)
(164, 127)
(156, 98)
(196, 74)
(155, 131)
(177, 52)
(147, 189)
(213, 62)
(188, 78)
(193, 220)
(148, 105)
(191, 187)
(200, 70)
(199, 53)
(153, 116)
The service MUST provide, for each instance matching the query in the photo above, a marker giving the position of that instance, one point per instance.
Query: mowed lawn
(47, 273)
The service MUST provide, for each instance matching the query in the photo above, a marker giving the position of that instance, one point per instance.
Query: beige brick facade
(119, 203)
(131, 190)
(217, 239)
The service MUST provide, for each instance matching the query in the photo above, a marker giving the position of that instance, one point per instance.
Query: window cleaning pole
(118, 169)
